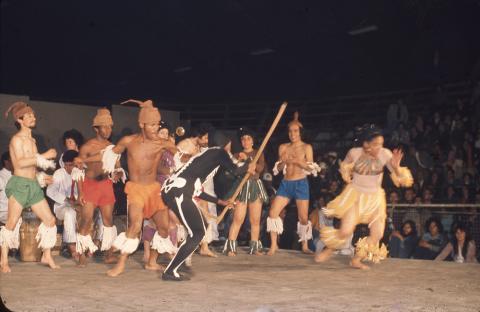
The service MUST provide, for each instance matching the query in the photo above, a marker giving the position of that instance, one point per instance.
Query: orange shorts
(99, 193)
(146, 196)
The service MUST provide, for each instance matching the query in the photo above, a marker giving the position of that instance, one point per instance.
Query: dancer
(363, 199)
(252, 195)
(185, 184)
(201, 135)
(296, 162)
(24, 187)
(5, 175)
(188, 148)
(96, 190)
(166, 166)
(144, 151)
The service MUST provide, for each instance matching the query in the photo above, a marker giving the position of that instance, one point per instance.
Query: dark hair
(300, 129)
(412, 225)
(5, 157)
(219, 138)
(246, 131)
(366, 133)
(202, 129)
(462, 227)
(164, 125)
(17, 124)
(69, 156)
(436, 221)
(75, 135)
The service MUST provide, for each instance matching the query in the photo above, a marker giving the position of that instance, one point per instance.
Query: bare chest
(143, 153)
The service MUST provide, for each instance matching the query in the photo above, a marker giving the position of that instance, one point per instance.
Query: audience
(461, 248)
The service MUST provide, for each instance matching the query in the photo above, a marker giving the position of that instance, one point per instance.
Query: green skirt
(251, 191)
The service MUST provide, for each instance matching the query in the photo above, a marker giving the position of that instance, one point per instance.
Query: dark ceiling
(93, 52)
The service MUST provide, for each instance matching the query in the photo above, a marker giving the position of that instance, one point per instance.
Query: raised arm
(400, 176)
(227, 164)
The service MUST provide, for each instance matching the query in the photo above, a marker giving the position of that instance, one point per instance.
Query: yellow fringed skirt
(370, 206)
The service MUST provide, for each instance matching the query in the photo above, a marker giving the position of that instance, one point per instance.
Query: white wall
(55, 118)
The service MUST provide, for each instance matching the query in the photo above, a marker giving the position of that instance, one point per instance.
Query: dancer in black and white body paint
(181, 189)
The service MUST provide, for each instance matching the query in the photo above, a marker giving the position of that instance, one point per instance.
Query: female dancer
(253, 195)
(363, 199)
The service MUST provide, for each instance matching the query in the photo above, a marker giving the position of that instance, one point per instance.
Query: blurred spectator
(402, 243)
(461, 248)
(432, 241)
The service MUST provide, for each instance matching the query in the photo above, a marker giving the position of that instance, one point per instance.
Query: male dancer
(144, 151)
(296, 162)
(23, 189)
(96, 190)
(184, 185)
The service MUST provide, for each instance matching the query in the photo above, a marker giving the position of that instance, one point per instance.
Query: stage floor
(290, 281)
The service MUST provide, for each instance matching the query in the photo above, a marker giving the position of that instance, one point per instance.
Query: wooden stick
(255, 159)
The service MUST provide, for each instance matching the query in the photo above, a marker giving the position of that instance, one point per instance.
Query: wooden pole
(255, 159)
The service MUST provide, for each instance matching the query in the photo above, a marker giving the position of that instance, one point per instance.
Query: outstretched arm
(400, 176)
(20, 160)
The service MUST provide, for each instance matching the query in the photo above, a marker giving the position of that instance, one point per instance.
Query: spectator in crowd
(461, 248)
(432, 241)
(402, 243)
(72, 140)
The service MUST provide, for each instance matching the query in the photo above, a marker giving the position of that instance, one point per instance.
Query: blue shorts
(294, 189)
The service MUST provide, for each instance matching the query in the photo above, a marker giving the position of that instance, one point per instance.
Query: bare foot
(208, 253)
(76, 257)
(117, 269)
(324, 255)
(154, 267)
(307, 251)
(5, 268)
(110, 259)
(82, 261)
(231, 254)
(272, 251)
(48, 260)
(357, 263)
(258, 253)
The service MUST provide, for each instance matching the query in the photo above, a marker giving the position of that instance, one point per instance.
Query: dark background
(201, 52)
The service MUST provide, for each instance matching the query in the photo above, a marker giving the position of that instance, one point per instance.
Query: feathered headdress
(102, 118)
(18, 109)
(148, 113)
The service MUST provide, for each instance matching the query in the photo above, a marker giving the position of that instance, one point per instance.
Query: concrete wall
(55, 118)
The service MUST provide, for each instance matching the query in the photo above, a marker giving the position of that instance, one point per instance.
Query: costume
(179, 192)
(28, 192)
(146, 196)
(5, 175)
(252, 190)
(98, 192)
(363, 192)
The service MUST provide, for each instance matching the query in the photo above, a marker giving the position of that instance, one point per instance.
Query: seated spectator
(402, 243)
(432, 241)
(461, 248)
